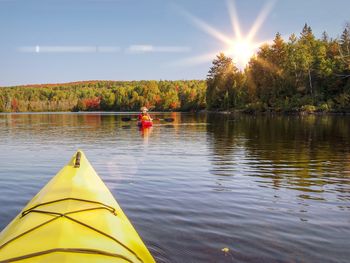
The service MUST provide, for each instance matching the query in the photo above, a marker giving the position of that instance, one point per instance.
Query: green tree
(344, 49)
(107, 100)
(220, 81)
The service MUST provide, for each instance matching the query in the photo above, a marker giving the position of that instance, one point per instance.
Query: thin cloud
(157, 49)
(69, 49)
(108, 49)
(133, 49)
(97, 1)
(193, 61)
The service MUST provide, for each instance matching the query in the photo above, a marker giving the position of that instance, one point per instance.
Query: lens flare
(241, 47)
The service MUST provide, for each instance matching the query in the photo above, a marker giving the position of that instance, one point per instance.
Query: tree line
(105, 96)
(303, 73)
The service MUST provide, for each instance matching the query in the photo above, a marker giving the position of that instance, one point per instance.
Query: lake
(268, 188)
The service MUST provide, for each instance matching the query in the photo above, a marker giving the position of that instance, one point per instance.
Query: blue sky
(52, 41)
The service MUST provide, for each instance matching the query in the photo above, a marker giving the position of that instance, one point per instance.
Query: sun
(241, 51)
(241, 47)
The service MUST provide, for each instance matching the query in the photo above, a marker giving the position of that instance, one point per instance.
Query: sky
(54, 41)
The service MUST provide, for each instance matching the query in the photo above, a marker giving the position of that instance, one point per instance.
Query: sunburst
(241, 47)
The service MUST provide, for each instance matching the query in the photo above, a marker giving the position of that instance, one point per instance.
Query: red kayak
(144, 124)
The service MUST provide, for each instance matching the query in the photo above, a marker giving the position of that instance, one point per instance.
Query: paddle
(156, 119)
(165, 119)
(127, 119)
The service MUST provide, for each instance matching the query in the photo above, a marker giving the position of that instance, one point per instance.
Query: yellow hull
(74, 218)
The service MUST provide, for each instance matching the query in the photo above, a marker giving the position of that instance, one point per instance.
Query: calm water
(271, 189)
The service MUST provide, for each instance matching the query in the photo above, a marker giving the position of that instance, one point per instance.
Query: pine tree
(306, 45)
(325, 37)
(345, 42)
(344, 51)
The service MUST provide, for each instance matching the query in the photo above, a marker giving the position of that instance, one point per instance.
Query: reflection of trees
(54, 127)
(222, 127)
(223, 141)
(183, 122)
(87, 127)
(303, 153)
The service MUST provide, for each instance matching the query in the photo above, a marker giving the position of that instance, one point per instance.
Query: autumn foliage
(105, 96)
(92, 103)
(14, 105)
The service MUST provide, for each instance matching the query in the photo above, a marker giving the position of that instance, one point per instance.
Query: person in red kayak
(144, 116)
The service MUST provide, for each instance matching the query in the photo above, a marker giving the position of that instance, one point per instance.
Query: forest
(105, 96)
(301, 74)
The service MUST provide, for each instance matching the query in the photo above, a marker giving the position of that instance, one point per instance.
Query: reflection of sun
(240, 48)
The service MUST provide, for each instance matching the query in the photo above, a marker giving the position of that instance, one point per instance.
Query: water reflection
(145, 134)
(308, 154)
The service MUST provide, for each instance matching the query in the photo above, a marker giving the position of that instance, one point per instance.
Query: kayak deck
(74, 218)
(145, 124)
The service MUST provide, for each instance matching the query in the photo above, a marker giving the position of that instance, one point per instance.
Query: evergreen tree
(345, 49)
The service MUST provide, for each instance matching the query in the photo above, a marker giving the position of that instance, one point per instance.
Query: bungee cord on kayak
(67, 250)
(66, 215)
(112, 209)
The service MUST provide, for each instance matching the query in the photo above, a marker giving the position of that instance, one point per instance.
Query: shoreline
(222, 112)
(275, 112)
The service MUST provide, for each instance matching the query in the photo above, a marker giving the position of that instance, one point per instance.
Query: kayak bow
(74, 218)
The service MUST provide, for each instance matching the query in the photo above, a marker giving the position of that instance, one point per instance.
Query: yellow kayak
(74, 218)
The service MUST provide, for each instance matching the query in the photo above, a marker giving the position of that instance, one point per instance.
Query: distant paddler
(144, 119)
(144, 116)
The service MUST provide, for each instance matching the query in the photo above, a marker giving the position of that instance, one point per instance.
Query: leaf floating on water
(225, 250)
